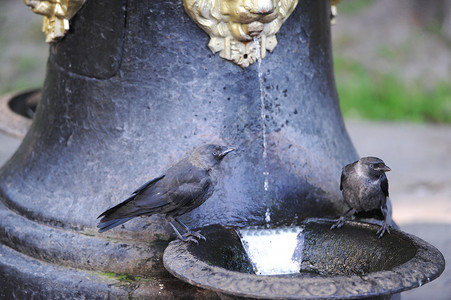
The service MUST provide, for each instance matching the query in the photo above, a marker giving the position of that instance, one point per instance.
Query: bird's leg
(176, 231)
(188, 233)
(182, 238)
(341, 221)
(384, 226)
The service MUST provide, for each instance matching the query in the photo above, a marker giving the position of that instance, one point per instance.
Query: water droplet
(267, 216)
(266, 183)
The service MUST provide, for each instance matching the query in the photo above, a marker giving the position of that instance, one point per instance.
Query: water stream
(263, 124)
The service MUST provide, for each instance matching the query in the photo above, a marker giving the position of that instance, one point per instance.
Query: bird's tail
(115, 216)
(107, 225)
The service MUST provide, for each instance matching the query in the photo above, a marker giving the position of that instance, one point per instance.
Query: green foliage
(20, 73)
(371, 95)
(24, 63)
(353, 7)
(19, 84)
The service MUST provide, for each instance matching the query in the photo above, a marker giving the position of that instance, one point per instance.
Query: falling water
(267, 216)
(263, 121)
(263, 113)
(274, 251)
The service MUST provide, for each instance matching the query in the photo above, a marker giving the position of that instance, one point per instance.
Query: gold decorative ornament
(57, 14)
(335, 2)
(334, 11)
(235, 26)
(333, 14)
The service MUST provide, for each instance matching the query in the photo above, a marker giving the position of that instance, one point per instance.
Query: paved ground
(7, 147)
(420, 183)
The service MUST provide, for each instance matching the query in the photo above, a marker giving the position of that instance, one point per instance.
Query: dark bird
(365, 189)
(183, 187)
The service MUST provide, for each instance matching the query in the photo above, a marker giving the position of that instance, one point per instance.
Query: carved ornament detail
(234, 26)
(57, 14)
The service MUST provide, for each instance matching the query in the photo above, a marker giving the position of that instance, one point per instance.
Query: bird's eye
(371, 166)
(215, 153)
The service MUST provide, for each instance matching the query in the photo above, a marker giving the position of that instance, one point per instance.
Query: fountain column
(129, 89)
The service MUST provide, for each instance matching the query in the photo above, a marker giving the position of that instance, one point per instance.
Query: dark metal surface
(128, 91)
(339, 268)
(119, 132)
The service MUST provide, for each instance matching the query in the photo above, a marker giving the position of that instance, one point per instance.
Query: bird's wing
(384, 184)
(147, 185)
(183, 183)
(344, 176)
(125, 208)
(191, 192)
(189, 185)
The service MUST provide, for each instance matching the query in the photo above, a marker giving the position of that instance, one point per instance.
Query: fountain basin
(17, 110)
(348, 263)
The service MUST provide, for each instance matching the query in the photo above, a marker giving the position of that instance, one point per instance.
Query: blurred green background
(23, 52)
(392, 58)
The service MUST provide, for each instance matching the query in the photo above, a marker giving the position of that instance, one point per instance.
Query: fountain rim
(427, 264)
(12, 123)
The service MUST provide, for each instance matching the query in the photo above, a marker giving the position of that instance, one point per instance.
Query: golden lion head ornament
(56, 15)
(239, 28)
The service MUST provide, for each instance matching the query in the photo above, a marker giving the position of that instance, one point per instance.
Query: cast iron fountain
(128, 90)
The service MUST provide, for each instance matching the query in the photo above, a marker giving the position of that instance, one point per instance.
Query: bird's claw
(194, 235)
(191, 239)
(198, 235)
(383, 229)
(187, 239)
(340, 222)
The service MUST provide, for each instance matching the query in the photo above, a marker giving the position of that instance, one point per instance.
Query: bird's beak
(383, 168)
(225, 152)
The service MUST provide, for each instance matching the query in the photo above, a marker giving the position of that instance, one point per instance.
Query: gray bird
(183, 187)
(365, 189)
